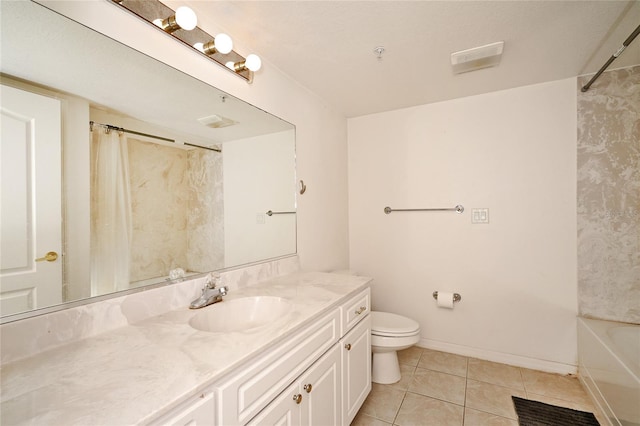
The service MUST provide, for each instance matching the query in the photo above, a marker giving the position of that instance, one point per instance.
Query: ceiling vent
(216, 121)
(477, 58)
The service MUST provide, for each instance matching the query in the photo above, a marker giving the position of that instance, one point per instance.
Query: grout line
(466, 381)
(526, 392)
(399, 408)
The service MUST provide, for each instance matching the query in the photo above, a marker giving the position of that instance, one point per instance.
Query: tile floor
(444, 389)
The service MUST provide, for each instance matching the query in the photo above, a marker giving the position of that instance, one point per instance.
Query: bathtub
(609, 367)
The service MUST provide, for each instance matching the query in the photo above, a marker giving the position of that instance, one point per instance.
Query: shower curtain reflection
(111, 222)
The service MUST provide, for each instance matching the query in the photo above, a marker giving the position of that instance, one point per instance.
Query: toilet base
(385, 368)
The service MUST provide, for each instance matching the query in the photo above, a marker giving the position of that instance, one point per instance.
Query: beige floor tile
(479, 418)
(492, 399)
(444, 362)
(494, 373)
(406, 372)
(364, 420)
(418, 410)
(410, 356)
(382, 403)
(446, 387)
(566, 388)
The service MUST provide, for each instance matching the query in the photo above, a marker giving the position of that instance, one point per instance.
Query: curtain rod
(133, 132)
(626, 43)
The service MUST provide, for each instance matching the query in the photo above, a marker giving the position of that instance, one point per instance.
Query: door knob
(297, 398)
(348, 346)
(52, 256)
(308, 387)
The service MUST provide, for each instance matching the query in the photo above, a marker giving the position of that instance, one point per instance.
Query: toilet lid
(388, 324)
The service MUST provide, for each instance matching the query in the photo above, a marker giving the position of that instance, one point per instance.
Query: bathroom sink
(242, 314)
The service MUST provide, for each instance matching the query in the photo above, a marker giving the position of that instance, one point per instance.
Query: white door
(30, 201)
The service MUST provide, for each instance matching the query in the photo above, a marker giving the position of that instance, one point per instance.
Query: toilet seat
(387, 324)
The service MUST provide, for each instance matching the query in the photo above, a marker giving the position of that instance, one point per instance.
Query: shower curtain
(111, 226)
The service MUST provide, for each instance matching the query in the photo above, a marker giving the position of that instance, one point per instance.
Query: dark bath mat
(534, 413)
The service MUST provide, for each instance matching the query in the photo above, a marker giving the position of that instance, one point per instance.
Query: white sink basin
(241, 314)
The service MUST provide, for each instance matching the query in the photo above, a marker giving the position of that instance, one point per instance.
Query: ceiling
(327, 46)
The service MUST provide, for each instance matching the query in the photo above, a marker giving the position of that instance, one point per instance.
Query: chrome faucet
(210, 293)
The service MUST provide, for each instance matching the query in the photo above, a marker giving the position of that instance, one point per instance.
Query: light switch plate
(479, 215)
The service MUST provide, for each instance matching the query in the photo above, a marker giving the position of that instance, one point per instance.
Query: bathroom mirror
(201, 169)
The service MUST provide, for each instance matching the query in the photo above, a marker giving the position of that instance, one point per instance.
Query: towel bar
(458, 209)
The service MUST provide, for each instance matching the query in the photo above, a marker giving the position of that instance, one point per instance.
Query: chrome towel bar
(458, 209)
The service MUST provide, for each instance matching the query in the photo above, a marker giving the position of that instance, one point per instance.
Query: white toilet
(390, 333)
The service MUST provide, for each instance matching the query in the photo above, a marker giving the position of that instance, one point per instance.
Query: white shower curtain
(111, 226)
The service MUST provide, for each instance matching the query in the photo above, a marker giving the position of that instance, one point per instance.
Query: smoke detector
(477, 58)
(216, 121)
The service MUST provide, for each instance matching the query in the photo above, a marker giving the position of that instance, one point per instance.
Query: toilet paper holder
(456, 296)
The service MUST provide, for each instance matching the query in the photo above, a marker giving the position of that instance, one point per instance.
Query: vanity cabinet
(313, 399)
(254, 386)
(319, 376)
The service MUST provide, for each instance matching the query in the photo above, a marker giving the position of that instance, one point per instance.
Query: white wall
(321, 135)
(513, 152)
(259, 175)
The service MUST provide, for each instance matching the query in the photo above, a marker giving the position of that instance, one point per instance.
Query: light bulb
(186, 18)
(223, 43)
(253, 62)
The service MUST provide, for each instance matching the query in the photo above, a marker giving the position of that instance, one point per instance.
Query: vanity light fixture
(221, 43)
(218, 49)
(252, 63)
(184, 18)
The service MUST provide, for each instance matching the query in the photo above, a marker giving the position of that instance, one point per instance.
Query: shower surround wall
(175, 194)
(608, 196)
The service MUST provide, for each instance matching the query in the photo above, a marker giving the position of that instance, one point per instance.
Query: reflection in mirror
(184, 190)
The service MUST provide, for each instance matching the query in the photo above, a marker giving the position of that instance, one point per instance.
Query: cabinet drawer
(355, 309)
(243, 395)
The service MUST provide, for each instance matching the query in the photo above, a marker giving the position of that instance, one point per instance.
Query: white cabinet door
(282, 411)
(321, 392)
(356, 368)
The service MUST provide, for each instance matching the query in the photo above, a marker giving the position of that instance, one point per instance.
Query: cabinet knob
(348, 346)
(297, 398)
(361, 310)
(308, 387)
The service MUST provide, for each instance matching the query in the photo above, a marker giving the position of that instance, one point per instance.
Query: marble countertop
(131, 374)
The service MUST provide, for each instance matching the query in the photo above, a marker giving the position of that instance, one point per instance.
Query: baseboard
(501, 357)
